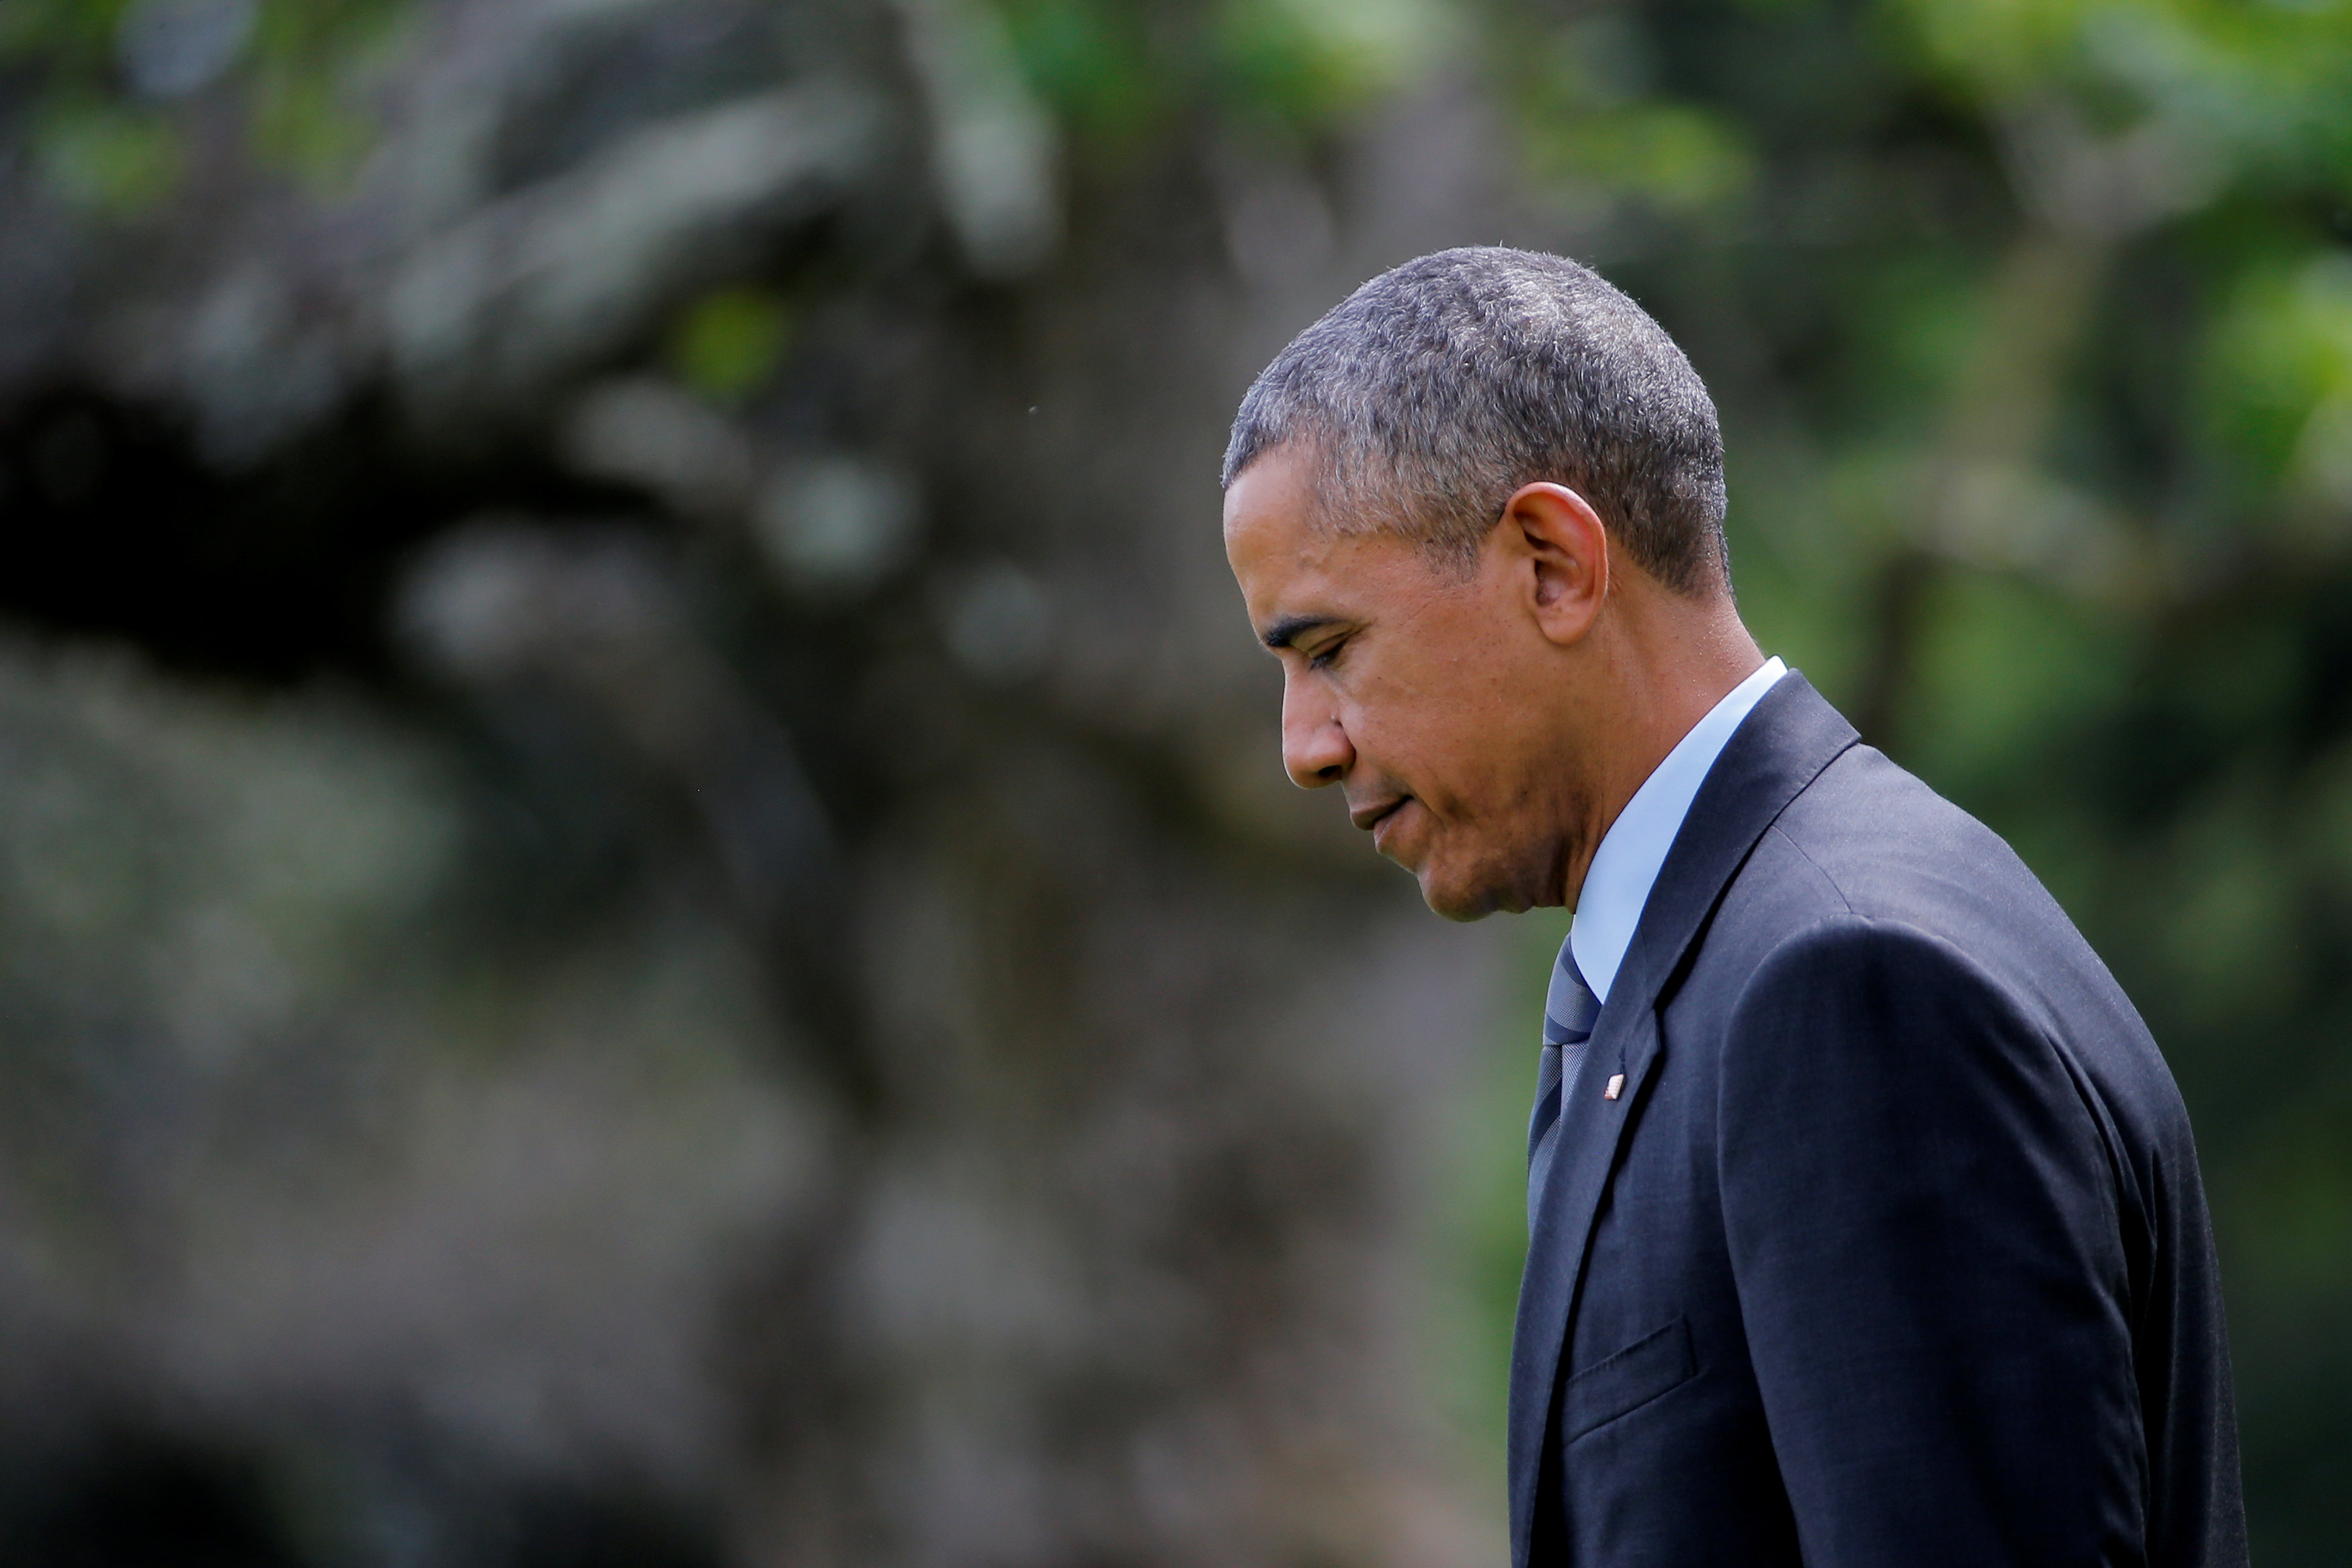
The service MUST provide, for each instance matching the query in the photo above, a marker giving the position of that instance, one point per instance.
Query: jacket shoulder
(1866, 868)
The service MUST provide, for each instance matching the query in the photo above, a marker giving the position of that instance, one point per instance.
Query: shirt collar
(1634, 850)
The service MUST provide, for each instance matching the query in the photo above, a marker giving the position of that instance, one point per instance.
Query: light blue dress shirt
(1634, 850)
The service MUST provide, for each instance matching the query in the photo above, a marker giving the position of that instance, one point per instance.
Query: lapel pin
(1616, 1086)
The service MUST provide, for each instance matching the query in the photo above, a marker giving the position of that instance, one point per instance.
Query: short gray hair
(1439, 388)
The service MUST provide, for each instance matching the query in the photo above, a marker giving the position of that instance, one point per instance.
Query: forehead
(1290, 563)
(1275, 539)
(1270, 506)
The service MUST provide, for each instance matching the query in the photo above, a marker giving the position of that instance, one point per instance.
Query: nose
(1315, 749)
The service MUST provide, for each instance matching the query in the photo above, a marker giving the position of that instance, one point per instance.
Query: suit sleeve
(1922, 1221)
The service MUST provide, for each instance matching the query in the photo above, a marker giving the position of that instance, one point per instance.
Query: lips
(1382, 820)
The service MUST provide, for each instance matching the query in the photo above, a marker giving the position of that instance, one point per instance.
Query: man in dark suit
(1866, 1226)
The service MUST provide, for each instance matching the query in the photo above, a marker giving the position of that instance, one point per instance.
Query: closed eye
(1320, 659)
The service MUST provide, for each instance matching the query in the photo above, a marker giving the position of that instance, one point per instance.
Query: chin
(1464, 898)
(1468, 888)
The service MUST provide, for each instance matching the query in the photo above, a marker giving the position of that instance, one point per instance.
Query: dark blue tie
(1569, 1013)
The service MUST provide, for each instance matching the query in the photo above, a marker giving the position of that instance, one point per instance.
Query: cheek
(1443, 762)
(1483, 768)
(1445, 728)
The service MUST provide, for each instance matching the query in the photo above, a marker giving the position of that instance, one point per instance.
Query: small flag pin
(1616, 1086)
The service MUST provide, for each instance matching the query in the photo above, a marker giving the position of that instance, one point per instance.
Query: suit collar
(1782, 747)
(1788, 737)
(1634, 848)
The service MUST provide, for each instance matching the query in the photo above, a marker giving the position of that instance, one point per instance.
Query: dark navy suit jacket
(1891, 1251)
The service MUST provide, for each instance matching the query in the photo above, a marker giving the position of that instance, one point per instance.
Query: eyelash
(1321, 658)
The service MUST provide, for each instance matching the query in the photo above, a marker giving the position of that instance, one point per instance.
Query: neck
(1663, 662)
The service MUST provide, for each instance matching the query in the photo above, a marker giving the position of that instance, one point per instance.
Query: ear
(1564, 554)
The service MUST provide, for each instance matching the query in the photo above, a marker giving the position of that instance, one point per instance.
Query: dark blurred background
(646, 910)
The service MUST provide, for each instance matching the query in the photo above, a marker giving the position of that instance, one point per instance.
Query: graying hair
(1438, 389)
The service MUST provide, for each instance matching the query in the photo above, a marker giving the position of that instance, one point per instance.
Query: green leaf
(728, 343)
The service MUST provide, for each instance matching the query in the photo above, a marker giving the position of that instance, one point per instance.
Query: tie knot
(1570, 1008)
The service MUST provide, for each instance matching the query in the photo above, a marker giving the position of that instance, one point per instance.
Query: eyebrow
(1287, 632)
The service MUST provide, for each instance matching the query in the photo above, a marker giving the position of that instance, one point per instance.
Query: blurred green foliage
(117, 139)
(1312, 59)
(728, 342)
(1120, 74)
(109, 158)
(1100, 66)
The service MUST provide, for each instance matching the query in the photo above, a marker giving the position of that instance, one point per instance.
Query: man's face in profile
(1411, 686)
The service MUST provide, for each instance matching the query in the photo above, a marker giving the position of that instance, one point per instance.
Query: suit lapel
(1782, 747)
